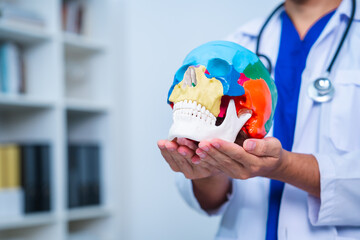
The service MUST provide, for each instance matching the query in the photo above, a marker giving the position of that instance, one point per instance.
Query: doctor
(315, 148)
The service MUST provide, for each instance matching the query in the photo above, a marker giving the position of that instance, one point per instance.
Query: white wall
(153, 38)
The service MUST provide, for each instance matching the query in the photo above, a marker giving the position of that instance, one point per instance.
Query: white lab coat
(330, 131)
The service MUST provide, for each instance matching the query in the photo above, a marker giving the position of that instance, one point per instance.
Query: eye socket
(218, 67)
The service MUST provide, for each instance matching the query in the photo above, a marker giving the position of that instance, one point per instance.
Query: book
(36, 181)
(73, 12)
(82, 159)
(43, 153)
(22, 84)
(2, 169)
(94, 169)
(11, 203)
(3, 69)
(12, 66)
(11, 195)
(73, 180)
(12, 159)
(29, 178)
(84, 178)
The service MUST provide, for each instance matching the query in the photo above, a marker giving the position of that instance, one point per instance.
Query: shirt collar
(345, 8)
(253, 28)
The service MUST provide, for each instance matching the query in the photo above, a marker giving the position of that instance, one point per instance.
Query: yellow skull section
(207, 92)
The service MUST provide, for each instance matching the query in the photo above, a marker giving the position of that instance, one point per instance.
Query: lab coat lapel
(317, 62)
(270, 41)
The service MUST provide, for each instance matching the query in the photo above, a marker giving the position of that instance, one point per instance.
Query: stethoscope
(321, 90)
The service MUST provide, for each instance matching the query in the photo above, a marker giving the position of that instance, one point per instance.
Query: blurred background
(83, 88)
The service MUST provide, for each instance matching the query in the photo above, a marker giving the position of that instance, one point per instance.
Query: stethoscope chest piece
(321, 90)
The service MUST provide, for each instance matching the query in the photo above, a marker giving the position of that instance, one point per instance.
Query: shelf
(22, 34)
(67, 98)
(87, 213)
(33, 220)
(81, 45)
(16, 102)
(78, 105)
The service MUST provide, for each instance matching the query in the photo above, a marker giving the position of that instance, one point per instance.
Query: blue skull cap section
(224, 60)
(218, 67)
(228, 51)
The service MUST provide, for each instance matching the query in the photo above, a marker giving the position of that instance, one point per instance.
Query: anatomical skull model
(221, 88)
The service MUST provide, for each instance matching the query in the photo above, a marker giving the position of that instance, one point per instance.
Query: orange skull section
(257, 98)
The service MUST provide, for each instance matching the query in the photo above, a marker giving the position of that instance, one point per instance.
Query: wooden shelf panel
(87, 213)
(22, 34)
(33, 220)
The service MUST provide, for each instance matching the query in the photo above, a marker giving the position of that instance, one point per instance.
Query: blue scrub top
(290, 64)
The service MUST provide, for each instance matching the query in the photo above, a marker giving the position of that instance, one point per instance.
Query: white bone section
(193, 76)
(193, 121)
(189, 77)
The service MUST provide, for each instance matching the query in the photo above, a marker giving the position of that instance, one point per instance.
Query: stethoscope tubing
(269, 66)
(353, 10)
(329, 68)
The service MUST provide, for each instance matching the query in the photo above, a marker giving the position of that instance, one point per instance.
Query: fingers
(210, 154)
(186, 142)
(183, 156)
(269, 147)
(167, 156)
(230, 149)
(180, 160)
(206, 149)
(191, 157)
(185, 152)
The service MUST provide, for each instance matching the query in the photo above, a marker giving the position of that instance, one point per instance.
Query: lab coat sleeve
(185, 188)
(339, 204)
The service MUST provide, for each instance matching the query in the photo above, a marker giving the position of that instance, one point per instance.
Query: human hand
(180, 155)
(258, 157)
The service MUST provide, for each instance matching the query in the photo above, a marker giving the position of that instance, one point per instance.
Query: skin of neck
(304, 13)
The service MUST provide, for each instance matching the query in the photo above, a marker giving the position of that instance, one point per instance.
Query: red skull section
(257, 99)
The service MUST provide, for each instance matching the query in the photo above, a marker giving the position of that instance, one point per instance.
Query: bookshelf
(87, 213)
(24, 35)
(68, 98)
(36, 220)
(80, 45)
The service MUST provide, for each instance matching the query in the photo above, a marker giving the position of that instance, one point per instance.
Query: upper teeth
(191, 109)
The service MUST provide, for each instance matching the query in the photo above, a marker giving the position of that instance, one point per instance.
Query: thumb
(270, 147)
